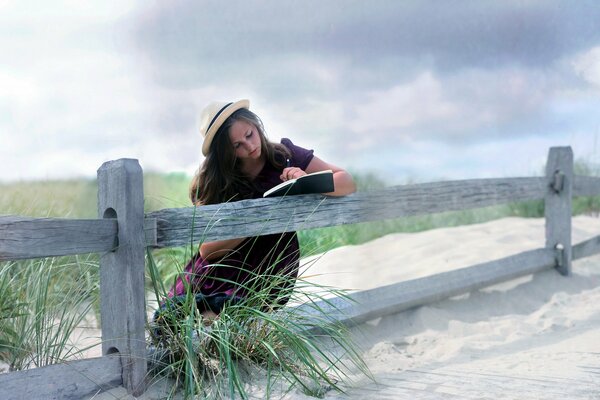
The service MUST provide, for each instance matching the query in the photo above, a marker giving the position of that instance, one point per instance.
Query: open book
(317, 182)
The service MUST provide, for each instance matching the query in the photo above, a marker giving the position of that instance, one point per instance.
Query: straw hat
(213, 116)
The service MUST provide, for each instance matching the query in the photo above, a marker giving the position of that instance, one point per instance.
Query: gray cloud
(200, 41)
(344, 51)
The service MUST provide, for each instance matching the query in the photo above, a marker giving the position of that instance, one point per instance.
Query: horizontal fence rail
(24, 238)
(366, 305)
(74, 380)
(586, 185)
(180, 226)
(48, 237)
(586, 248)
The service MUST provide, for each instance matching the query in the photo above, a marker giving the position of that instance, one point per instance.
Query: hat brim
(216, 123)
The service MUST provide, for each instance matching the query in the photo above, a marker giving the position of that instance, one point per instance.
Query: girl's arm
(218, 248)
(343, 182)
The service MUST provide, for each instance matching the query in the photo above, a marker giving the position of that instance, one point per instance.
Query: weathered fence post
(122, 302)
(558, 205)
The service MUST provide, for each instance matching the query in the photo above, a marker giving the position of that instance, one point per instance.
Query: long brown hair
(220, 178)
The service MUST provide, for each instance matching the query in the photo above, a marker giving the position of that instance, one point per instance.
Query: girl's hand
(291, 173)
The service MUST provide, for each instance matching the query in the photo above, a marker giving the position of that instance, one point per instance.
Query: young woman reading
(241, 163)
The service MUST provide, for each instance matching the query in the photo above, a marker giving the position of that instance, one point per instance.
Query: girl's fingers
(287, 174)
(291, 173)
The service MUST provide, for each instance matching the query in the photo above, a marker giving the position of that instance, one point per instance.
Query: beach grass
(254, 344)
(42, 302)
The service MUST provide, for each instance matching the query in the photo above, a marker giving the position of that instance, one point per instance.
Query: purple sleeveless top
(275, 254)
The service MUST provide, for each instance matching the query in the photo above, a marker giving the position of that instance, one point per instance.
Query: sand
(534, 337)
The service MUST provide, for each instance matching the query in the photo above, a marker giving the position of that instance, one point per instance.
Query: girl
(241, 163)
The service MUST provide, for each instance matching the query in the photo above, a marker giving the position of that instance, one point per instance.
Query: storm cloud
(192, 36)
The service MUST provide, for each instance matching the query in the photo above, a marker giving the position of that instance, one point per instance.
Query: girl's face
(245, 140)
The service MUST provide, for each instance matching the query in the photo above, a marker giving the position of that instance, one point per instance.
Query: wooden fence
(122, 232)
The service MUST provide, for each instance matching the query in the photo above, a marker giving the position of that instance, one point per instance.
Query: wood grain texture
(122, 300)
(25, 238)
(386, 300)
(558, 205)
(22, 238)
(182, 226)
(71, 380)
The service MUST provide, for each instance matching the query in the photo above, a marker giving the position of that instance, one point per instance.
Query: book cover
(317, 182)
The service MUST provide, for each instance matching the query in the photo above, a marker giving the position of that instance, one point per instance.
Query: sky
(408, 90)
